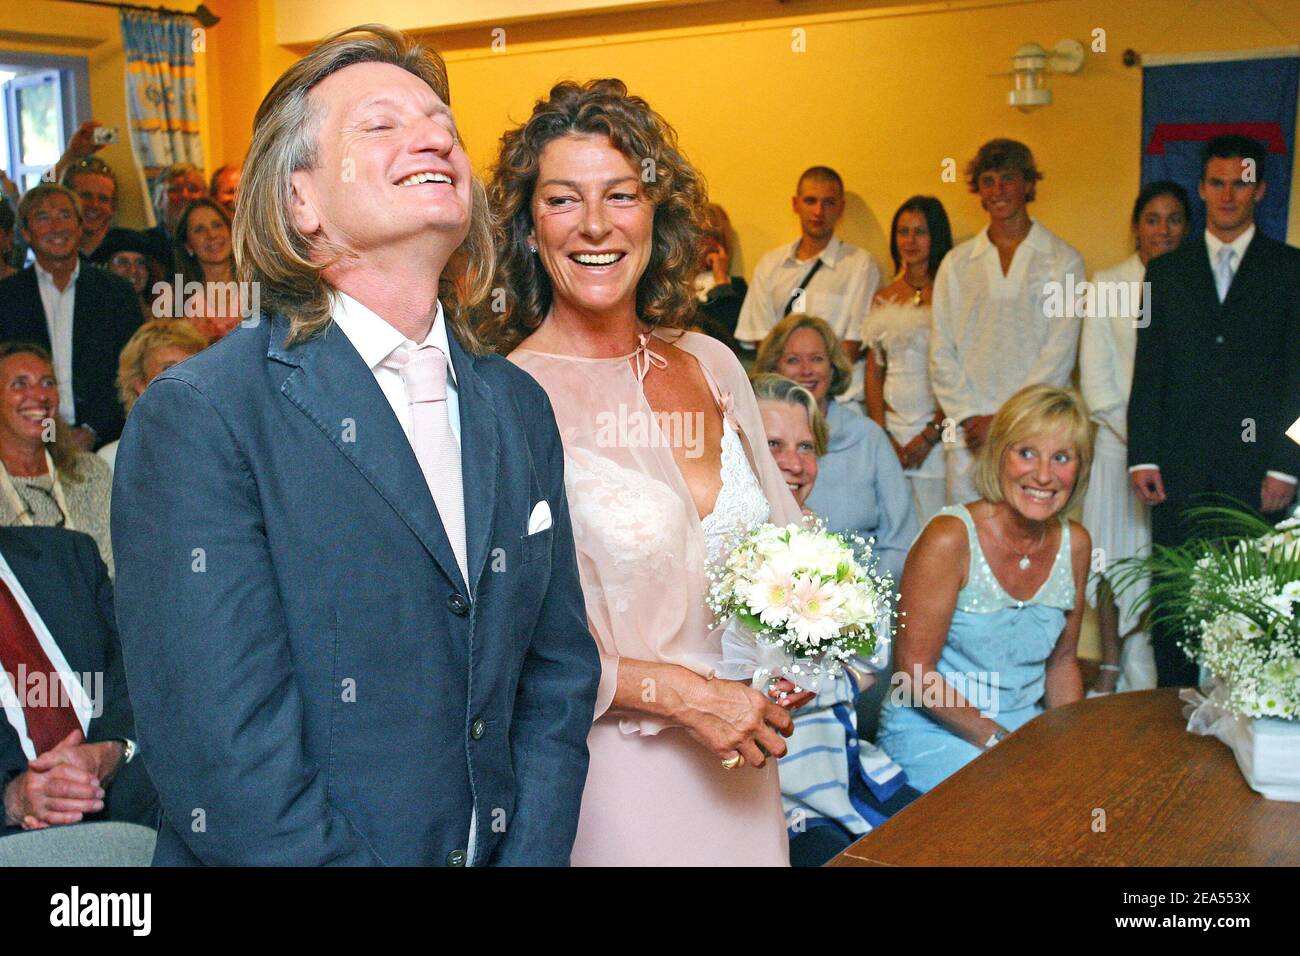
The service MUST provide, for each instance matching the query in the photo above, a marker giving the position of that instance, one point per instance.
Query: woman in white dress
(1120, 524)
(896, 334)
(663, 465)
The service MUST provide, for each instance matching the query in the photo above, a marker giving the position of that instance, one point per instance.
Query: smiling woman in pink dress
(664, 466)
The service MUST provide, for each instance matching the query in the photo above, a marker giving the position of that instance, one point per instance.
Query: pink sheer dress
(654, 796)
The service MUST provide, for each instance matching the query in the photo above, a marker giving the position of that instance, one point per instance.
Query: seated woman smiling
(796, 431)
(992, 594)
(44, 480)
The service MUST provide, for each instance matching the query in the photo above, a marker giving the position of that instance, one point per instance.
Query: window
(34, 125)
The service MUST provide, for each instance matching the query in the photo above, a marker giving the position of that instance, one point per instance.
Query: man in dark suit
(1216, 379)
(347, 590)
(82, 314)
(65, 754)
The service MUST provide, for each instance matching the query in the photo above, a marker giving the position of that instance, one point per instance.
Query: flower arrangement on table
(1234, 594)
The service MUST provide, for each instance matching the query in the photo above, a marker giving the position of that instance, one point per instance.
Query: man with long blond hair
(348, 595)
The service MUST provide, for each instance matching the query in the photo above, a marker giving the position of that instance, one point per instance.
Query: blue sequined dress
(996, 655)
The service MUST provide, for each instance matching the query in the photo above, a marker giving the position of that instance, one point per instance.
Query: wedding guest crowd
(931, 414)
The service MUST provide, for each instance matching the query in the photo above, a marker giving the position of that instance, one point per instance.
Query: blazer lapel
(479, 449)
(1201, 276)
(332, 386)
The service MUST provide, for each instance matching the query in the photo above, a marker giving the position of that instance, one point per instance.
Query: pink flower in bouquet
(814, 619)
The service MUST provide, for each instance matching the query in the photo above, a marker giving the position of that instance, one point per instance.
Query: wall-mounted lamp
(1029, 66)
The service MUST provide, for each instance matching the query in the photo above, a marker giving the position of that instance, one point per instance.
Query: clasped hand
(730, 717)
(63, 784)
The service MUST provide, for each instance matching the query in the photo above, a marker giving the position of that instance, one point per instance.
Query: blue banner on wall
(1185, 104)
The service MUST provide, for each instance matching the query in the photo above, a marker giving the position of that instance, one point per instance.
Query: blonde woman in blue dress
(992, 594)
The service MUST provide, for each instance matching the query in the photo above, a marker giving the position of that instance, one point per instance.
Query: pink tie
(424, 373)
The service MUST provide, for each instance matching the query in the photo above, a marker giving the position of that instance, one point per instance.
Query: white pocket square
(540, 519)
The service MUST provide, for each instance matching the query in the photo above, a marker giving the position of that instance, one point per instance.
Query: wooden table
(1165, 797)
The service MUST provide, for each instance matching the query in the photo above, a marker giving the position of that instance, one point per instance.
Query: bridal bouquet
(800, 603)
(1235, 593)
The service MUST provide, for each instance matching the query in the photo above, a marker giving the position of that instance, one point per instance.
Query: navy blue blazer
(312, 679)
(105, 314)
(66, 580)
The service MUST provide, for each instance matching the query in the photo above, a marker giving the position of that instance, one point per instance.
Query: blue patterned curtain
(161, 95)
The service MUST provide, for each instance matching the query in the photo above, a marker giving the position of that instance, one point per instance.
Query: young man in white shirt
(840, 289)
(999, 317)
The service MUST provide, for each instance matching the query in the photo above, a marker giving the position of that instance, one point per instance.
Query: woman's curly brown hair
(521, 296)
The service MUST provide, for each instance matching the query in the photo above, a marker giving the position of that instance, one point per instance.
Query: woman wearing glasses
(45, 482)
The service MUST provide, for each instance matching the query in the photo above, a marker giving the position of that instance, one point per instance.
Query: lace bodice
(741, 504)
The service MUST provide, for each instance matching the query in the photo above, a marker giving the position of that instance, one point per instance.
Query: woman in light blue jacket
(860, 484)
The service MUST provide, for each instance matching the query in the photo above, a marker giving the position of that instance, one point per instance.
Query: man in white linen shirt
(1001, 320)
(841, 289)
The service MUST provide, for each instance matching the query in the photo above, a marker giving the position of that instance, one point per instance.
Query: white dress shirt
(1238, 246)
(59, 306)
(1213, 245)
(991, 336)
(840, 293)
(72, 688)
(374, 339)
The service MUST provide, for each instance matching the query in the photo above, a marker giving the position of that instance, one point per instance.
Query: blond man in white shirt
(1002, 318)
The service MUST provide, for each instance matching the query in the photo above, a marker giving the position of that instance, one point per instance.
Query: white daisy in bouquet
(799, 603)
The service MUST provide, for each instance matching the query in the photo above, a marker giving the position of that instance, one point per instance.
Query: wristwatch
(996, 737)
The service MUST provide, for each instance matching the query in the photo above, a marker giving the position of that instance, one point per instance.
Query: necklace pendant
(1024, 563)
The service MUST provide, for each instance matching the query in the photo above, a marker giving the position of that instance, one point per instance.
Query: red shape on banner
(1270, 134)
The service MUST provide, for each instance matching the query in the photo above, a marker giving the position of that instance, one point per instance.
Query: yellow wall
(305, 21)
(885, 92)
(883, 95)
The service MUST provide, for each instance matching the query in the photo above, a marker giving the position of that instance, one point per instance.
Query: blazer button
(477, 728)
(456, 858)
(457, 605)
(1218, 340)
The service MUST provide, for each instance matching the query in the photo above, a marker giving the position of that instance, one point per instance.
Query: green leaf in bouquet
(865, 646)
